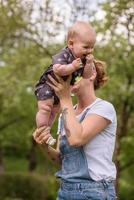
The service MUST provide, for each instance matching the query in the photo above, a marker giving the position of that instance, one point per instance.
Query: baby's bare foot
(89, 59)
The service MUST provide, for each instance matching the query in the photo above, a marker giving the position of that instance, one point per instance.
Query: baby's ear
(70, 43)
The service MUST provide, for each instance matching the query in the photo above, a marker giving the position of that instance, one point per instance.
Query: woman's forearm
(52, 153)
(72, 126)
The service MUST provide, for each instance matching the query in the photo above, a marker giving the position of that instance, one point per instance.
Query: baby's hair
(72, 33)
(101, 77)
(76, 28)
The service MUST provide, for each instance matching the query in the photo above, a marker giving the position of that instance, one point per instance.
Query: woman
(86, 140)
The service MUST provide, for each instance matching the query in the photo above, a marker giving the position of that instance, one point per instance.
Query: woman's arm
(77, 133)
(41, 135)
(51, 153)
(80, 133)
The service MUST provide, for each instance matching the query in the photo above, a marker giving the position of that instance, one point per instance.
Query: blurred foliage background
(30, 33)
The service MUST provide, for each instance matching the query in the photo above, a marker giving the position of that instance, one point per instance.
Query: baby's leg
(54, 112)
(43, 116)
(44, 112)
(87, 71)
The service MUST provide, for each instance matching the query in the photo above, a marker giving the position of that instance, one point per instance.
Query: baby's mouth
(83, 57)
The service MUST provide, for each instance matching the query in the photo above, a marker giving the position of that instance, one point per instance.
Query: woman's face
(77, 86)
(83, 84)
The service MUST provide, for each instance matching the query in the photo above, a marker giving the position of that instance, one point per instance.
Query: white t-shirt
(99, 150)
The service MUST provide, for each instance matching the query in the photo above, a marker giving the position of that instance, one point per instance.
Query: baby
(75, 59)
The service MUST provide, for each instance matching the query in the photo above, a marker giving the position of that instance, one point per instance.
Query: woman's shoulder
(104, 108)
(104, 104)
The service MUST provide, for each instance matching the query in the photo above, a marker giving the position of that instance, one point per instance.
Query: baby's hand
(89, 59)
(77, 63)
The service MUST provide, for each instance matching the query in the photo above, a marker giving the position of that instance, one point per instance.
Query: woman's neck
(84, 101)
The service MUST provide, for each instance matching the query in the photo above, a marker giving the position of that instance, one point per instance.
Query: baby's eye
(85, 47)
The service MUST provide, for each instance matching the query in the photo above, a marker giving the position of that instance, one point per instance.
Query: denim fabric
(91, 190)
(74, 164)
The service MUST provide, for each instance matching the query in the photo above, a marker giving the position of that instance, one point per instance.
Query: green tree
(23, 58)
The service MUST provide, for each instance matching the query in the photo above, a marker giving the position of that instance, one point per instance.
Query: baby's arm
(63, 70)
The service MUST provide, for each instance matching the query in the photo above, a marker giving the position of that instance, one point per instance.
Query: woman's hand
(61, 87)
(42, 134)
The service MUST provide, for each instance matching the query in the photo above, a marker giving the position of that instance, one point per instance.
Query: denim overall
(76, 183)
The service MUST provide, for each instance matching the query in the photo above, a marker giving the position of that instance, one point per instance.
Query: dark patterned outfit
(42, 90)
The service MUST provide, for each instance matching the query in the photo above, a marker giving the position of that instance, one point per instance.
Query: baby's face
(83, 45)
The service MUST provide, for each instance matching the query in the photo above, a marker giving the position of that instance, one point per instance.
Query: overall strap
(84, 114)
(61, 124)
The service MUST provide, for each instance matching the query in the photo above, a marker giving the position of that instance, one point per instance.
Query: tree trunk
(32, 156)
(121, 132)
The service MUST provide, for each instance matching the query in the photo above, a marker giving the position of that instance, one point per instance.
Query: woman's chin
(75, 87)
(74, 90)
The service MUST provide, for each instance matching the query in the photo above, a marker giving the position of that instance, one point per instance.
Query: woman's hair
(101, 77)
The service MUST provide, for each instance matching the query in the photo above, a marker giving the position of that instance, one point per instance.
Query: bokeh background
(31, 31)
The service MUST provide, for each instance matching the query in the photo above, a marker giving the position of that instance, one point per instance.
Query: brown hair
(101, 77)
